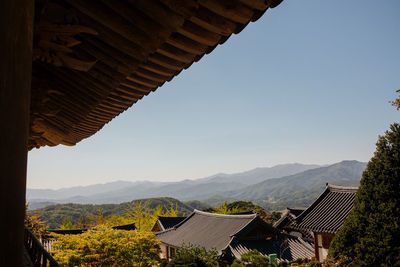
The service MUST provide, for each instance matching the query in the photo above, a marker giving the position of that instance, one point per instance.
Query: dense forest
(54, 215)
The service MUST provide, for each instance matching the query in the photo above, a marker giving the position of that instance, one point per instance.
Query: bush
(104, 246)
(253, 258)
(191, 255)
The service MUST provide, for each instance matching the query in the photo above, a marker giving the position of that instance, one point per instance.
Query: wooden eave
(95, 59)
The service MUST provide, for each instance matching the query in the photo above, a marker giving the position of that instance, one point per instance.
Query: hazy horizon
(184, 179)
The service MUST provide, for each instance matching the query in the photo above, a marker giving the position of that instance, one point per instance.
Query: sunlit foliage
(104, 246)
(145, 218)
(37, 226)
(252, 258)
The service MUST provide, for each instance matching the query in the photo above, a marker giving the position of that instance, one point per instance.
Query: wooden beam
(186, 44)
(16, 33)
(199, 34)
(105, 16)
(213, 22)
(231, 9)
(139, 19)
(175, 53)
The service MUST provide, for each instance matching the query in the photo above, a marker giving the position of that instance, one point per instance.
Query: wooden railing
(39, 256)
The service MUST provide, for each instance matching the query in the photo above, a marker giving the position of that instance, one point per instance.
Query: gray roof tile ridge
(229, 244)
(179, 224)
(170, 217)
(164, 231)
(282, 218)
(243, 227)
(342, 188)
(328, 189)
(244, 216)
(316, 201)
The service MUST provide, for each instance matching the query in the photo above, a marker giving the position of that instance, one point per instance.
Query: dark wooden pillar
(316, 246)
(16, 31)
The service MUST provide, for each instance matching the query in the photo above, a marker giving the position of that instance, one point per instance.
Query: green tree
(104, 246)
(141, 215)
(145, 218)
(245, 206)
(370, 236)
(171, 212)
(66, 224)
(225, 209)
(99, 217)
(83, 222)
(115, 220)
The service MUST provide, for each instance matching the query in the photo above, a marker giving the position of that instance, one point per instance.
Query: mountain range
(270, 187)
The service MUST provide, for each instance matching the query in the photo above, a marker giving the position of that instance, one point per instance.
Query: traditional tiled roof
(286, 247)
(130, 226)
(168, 222)
(208, 230)
(288, 217)
(287, 223)
(329, 210)
(92, 60)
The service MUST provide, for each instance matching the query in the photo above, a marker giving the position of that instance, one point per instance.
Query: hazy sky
(309, 82)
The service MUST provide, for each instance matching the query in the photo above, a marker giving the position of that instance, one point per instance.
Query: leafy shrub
(104, 246)
(253, 258)
(190, 255)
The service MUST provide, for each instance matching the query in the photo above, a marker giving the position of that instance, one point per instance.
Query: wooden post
(316, 246)
(16, 32)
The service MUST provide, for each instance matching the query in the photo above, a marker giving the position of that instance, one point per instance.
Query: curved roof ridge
(248, 216)
(301, 215)
(171, 216)
(164, 231)
(342, 188)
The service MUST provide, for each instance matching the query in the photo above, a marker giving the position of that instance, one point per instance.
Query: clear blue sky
(309, 82)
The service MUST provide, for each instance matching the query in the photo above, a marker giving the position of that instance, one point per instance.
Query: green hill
(296, 190)
(53, 215)
(196, 204)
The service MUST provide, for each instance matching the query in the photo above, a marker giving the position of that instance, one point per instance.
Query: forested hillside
(54, 215)
(296, 190)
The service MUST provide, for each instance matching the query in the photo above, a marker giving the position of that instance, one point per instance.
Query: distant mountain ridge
(281, 186)
(120, 191)
(298, 189)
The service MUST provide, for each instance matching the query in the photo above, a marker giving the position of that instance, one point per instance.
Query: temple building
(231, 236)
(163, 223)
(325, 216)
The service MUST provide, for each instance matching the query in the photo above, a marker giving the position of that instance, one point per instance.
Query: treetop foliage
(396, 102)
(252, 258)
(245, 206)
(35, 224)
